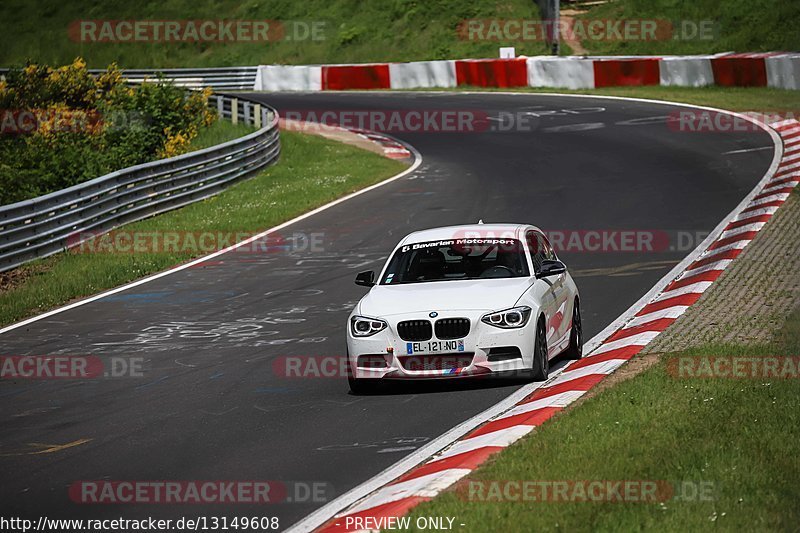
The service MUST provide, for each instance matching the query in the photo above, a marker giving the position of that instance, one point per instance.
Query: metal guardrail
(233, 78)
(224, 78)
(42, 226)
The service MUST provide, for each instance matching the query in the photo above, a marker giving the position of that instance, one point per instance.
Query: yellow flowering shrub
(177, 143)
(87, 125)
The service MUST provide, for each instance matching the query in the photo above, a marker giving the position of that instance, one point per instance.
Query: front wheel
(361, 386)
(575, 350)
(541, 364)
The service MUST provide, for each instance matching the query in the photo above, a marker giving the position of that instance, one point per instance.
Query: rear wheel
(541, 364)
(575, 350)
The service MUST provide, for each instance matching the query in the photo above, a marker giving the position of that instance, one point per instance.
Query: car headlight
(516, 317)
(363, 326)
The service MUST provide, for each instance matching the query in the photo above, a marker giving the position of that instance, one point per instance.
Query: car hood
(484, 294)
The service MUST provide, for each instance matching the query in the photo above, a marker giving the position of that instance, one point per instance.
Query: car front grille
(415, 330)
(452, 328)
(417, 363)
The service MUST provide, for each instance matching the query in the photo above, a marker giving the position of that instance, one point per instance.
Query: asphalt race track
(211, 404)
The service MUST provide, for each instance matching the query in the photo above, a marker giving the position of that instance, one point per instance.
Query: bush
(83, 126)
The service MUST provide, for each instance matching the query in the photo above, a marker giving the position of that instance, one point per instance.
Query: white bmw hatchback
(462, 301)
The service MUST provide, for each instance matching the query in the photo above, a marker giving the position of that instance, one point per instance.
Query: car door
(548, 298)
(561, 318)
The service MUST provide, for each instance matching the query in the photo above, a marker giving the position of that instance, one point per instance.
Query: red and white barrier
(492, 72)
(783, 71)
(621, 72)
(462, 457)
(686, 71)
(351, 77)
(422, 74)
(555, 72)
(288, 78)
(739, 71)
(774, 69)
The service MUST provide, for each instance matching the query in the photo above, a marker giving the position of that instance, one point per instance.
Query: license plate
(434, 347)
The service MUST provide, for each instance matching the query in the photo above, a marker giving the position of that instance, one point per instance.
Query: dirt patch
(568, 16)
(334, 133)
(12, 279)
(632, 368)
(568, 19)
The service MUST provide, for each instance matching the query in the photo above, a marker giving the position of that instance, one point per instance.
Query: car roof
(515, 231)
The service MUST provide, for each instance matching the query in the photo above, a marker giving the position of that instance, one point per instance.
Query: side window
(536, 250)
(547, 250)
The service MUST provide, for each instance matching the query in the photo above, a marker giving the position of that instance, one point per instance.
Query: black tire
(541, 364)
(361, 386)
(575, 350)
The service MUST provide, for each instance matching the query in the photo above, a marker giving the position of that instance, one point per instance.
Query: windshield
(456, 259)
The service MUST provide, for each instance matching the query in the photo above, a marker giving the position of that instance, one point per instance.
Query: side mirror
(366, 278)
(551, 268)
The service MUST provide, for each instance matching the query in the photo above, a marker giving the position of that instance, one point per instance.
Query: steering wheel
(498, 271)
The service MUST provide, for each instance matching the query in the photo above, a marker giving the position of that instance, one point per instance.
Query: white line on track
(409, 170)
(746, 150)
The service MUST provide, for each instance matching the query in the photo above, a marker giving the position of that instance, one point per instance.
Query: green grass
(355, 31)
(312, 171)
(741, 436)
(219, 132)
(764, 99)
(732, 98)
(740, 25)
(374, 30)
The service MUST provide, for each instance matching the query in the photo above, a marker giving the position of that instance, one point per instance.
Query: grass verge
(700, 26)
(731, 98)
(312, 171)
(736, 438)
(345, 31)
(219, 132)
(762, 99)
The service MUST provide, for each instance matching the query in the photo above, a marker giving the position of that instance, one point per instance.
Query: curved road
(210, 405)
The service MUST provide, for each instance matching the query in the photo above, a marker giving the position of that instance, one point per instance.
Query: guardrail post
(246, 106)
(257, 116)
(234, 110)
(220, 106)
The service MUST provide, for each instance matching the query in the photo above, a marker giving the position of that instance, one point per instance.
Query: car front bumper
(485, 350)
